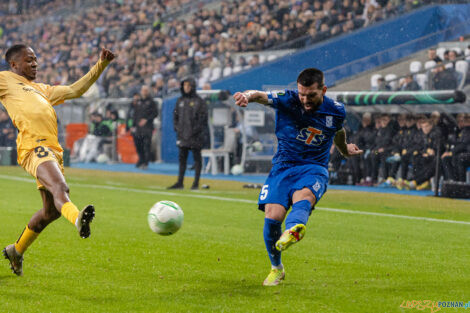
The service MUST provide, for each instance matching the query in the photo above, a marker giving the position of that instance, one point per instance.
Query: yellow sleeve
(57, 94)
(3, 85)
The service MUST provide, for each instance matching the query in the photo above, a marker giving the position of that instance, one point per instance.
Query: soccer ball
(165, 218)
(237, 169)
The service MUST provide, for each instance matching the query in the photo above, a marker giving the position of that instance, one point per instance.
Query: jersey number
(264, 192)
(41, 152)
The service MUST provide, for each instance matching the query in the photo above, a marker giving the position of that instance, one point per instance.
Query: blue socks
(299, 214)
(272, 231)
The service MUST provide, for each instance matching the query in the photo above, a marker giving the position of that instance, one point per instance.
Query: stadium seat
(374, 84)
(229, 146)
(126, 149)
(462, 68)
(429, 64)
(237, 68)
(227, 71)
(216, 73)
(73, 132)
(415, 66)
(206, 73)
(262, 58)
(272, 57)
(440, 52)
(458, 50)
(392, 81)
(422, 80)
(201, 81)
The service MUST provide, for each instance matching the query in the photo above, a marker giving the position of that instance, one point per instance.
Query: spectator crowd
(401, 151)
(156, 50)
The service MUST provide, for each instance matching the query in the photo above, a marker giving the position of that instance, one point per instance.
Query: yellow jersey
(30, 106)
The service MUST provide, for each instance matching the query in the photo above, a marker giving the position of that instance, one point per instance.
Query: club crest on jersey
(329, 121)
(311, 136)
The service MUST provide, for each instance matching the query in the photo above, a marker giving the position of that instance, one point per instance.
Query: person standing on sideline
(189, 122)
(145, 111)
(307, 124)
(30, 107)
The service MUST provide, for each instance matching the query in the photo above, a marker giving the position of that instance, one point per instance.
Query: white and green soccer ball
(165, 217)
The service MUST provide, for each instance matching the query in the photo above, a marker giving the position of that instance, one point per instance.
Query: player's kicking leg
(297, 219)
(50, 175)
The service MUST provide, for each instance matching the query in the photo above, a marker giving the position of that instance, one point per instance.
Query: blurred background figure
(189, 121)
(144, 111)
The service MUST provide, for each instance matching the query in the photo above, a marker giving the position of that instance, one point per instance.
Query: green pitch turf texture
(217, 261)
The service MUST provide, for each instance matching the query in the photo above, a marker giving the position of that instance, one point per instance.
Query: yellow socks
(70, 212)
(25, 240)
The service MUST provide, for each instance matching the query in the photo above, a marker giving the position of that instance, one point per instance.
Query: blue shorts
(285, 179)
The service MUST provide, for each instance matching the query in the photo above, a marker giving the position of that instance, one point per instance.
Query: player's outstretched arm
(77, 89)
(346, 149)
(243, 98)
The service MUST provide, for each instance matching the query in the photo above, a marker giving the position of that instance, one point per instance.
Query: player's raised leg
(274, 215)
(50, 175)
(297, 219)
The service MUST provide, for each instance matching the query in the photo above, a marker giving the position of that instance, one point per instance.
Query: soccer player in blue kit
(307, 124)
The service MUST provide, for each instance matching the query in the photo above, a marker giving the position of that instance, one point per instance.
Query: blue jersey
(304, 138)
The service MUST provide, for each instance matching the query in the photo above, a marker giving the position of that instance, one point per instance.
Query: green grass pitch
(217, 261)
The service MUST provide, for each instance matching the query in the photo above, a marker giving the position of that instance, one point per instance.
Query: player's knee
(51, 214)
(275, 212)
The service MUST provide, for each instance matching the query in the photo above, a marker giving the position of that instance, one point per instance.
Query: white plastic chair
(227, 71)
(462, 68)
(272, 57)
(429, 64)
(392, 81)
(457, 50)
(237, 68)
(229, 146)
(415, 66)
(206, 73)
(422, 80)
(440, 52)
(374, 84)
(216, 73)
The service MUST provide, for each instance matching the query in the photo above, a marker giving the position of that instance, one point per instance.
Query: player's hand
(240, 99)
(353, 150)
(106, 55)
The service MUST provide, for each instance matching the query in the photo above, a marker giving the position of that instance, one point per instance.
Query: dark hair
(13, 51)
(309, 76)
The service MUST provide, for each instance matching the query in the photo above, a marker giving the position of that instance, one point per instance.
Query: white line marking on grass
(193, 195)
(430, 219)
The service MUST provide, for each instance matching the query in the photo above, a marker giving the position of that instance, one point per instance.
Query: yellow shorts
(31, 159)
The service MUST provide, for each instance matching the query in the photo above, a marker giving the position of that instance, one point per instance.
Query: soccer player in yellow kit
(30, 106)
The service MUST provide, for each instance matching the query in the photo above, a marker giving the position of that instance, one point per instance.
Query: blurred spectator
(381, 148)
(89, 148)
(432, 55)
(409, 84)
(456, 158)
(424, 161)
(382, 85)
(443, 78)
(144, 112)
(365, 138)
(7, 130)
